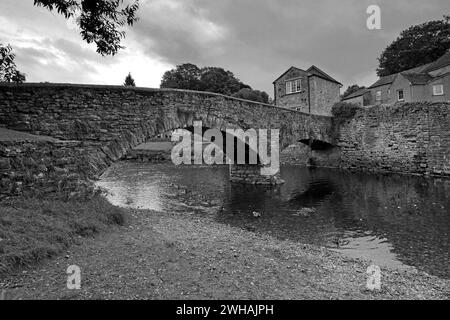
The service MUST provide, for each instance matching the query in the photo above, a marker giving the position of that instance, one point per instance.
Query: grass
(35, 229)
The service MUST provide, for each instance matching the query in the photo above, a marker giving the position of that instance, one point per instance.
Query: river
(392, 220)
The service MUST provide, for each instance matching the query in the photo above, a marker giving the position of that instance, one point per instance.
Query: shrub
(344, 110)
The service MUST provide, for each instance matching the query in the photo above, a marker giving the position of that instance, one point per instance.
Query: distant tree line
(212, 79)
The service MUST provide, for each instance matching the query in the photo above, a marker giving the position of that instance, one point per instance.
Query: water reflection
(316, 192)
(391, 220)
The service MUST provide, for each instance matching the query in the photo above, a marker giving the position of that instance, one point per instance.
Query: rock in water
(306, 212)
(256, 214)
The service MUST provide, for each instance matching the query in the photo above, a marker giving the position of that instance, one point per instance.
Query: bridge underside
(317, 144)
(244, 168)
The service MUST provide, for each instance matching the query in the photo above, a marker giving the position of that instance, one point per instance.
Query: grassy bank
(34, 229)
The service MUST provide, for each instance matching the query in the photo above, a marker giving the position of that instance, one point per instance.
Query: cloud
(49, 48)
(256, 39)
(176, 27)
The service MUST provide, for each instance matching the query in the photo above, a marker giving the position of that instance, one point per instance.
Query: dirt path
(168, 256)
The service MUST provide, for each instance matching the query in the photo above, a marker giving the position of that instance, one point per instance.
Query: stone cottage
(360, 97)
(429, 82)
(311, 91)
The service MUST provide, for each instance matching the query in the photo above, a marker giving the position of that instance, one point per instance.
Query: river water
(392, 220)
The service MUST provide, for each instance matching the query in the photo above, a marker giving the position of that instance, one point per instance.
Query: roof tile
(355, 94)
(440, 63)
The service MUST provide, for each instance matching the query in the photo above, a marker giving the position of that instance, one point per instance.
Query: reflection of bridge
(110, 120)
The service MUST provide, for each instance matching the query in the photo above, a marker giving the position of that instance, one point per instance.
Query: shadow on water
(316, 192)
(392, 220)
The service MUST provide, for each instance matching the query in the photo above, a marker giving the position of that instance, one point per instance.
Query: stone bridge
(106, 121)
(72, 133)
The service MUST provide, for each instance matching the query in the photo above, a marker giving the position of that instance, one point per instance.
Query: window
(293, 86)
(298, 85)
(438, 90)
(400, 96)
(378, 96)
(288, 87)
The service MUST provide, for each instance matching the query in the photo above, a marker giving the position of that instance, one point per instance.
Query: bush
(344, 110)
(253, 95)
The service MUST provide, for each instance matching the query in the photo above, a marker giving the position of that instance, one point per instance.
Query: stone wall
(445, 81)
(401, 83)
(323, 94)
(44, 167)
(406, 138)
(301, 154)
(385, 94)
(297, 101)
(154, 156)
(316, 96)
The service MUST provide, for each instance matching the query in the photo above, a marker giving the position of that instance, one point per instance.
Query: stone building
(429, 82)
(311, 91)
(360, 97)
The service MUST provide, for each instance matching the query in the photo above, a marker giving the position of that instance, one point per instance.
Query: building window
(400, 96)
(378, 96)
(293, 86)
(438, 90)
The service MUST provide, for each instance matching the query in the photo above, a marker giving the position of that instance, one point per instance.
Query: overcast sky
(256, 39)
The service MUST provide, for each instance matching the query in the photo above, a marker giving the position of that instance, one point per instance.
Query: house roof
(417, 78)
(419, 69)
(390, 78)
(440, 63)
(384, 80)
(444, 75)
(286, 72)
(355, 94)
(314, 71)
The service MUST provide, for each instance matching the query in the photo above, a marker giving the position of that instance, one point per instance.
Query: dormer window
(400, 96)
(293, 86)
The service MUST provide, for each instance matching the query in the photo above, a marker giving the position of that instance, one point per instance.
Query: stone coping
(145, 89)
(14, 135)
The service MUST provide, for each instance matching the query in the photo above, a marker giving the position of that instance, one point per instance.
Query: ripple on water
(392, 220)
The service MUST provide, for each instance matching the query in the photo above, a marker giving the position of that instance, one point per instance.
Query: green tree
(417, 45)
(253, 95)
(351, 89)
(100, 21)
(184, 76)
(214, 79)
(8, 68)
(129, 81)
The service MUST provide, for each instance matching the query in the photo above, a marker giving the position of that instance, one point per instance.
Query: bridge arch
(110, 120)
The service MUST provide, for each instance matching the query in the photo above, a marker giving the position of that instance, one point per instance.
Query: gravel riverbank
(173, 256)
